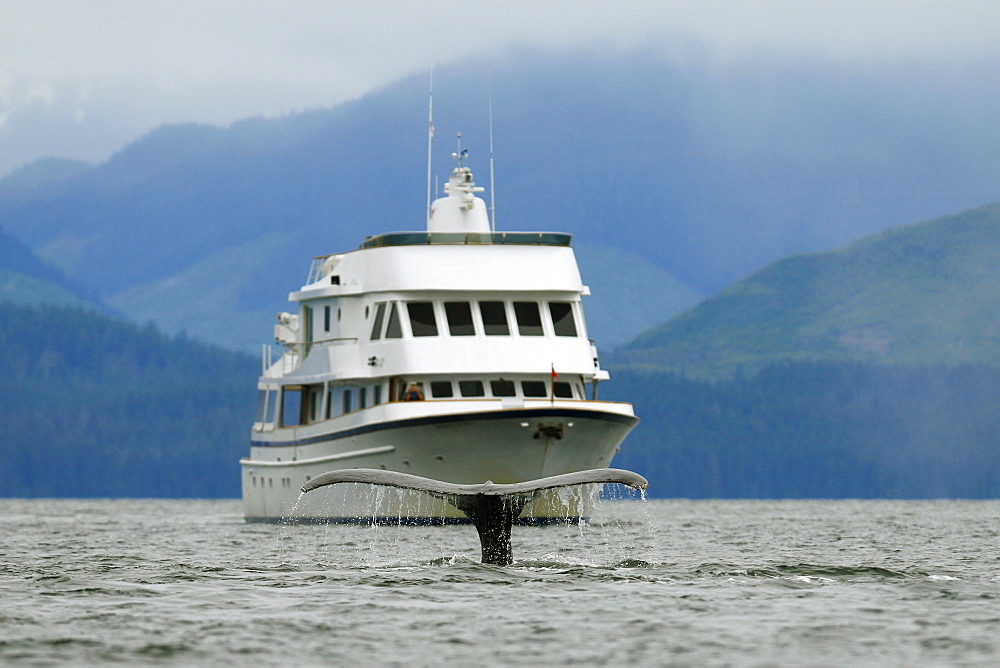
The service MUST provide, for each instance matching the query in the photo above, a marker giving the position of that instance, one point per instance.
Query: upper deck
(411, 262)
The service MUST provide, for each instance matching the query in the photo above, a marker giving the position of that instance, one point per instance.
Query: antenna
(430, 140)
(459, 154)
(493, 201)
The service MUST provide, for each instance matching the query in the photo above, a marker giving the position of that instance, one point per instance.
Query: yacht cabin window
(562, 390)
(471, 388)
(291, 406)
(422, 322)
(312, 403)
(394, 330)
(261, 406)
(534, 388)
(562, 318)
(379, 316)
(459, 316)
(502, 388)
(338, 401)
(529, 320)
(441, 389)
(272, 406)
(494, 318)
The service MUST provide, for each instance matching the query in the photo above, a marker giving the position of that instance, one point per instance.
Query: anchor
(492, 508)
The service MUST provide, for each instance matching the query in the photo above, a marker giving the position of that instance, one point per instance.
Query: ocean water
(154, 582)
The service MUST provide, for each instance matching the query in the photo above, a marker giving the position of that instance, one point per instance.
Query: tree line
(92, 406)
(817, 430)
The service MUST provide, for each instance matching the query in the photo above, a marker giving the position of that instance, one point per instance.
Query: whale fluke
(492, 508)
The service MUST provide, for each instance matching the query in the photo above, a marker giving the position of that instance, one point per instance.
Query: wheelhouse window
(346, 403)
(459, 315)
(502, 388)
(562, 318)
(529, 319)
(494, 316)
(441, 389)
(394, 330)
(326, 318)
(422, 322)
(379, 317)
(471, 388)
(534, 388)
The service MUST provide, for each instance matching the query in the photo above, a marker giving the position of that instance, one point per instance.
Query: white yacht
(457, 353)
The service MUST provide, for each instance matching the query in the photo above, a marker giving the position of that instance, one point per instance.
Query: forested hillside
(90, 406)
(817, 430)
(922, 294)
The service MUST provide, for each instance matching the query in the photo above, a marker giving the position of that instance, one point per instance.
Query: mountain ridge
(924, 293)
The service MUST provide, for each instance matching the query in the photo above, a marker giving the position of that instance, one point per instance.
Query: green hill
(927, 293)
(92, 406)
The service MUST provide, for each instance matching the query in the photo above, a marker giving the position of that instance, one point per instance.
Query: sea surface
(174, 582)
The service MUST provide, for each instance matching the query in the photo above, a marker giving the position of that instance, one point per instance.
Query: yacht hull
(507, 445)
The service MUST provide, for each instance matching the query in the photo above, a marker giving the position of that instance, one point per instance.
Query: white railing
(265, 362)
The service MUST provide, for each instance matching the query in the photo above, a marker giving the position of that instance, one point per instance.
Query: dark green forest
(817, 430)
(91, 406)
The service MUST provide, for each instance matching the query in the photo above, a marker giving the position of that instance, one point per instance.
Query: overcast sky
(81, 78)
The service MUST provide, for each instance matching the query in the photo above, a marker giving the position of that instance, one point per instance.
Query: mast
(493, 203)
(430, 140)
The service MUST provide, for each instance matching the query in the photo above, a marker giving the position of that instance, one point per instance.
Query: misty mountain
(927, 293)
(30, 181)
(684, 177)
(26, 279)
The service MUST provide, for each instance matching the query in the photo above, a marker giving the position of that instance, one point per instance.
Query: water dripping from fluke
(490, 507)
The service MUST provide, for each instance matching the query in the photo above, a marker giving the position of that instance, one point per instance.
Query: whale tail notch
(491, 508)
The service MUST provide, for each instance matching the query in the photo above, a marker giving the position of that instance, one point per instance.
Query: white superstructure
(457, 353)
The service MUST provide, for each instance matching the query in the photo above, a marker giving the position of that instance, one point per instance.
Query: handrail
(296, 346)
(468, 238)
